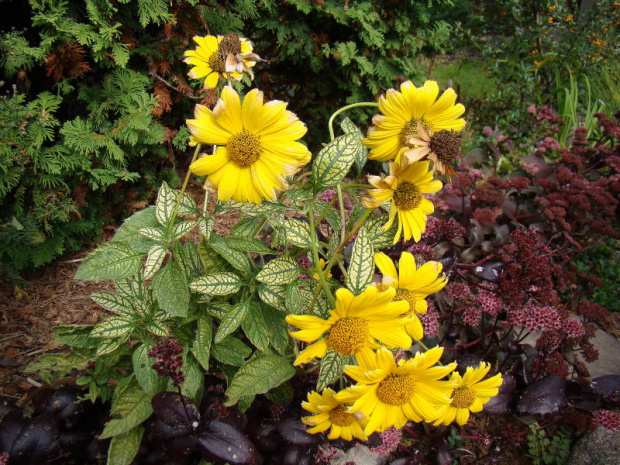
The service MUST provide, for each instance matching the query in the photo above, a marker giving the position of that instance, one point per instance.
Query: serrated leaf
(107, 346)
(216, 284)
(156, 234)
(157, 328)
(281, 394)
(188, 256)
(258, 376)
(334, 161)
(170, 289)
(293, 299)
(264, 208)
(281, 270)
(181, 229)
(111, 260)
(194, 377)
(361, 265)
(232, 321)
(205, 225)
(247, 244)
(114, 302)
(113, 327)
(201, 347)
(278, 329)
(164, 206)
(124, 447)
(297, 233)
(211, 260)
(332, 366)
(147, 377)
(187, 206)
(75, 335)
(255, 327)
(130, 407)
(273, 295)
(379, 238)
(237, 259)
(129, 232)
(246, 227)
(218, 309)
(361, 155)
(154, 259)
(231, 351)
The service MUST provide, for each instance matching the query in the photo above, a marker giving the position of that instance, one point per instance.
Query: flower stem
(315, 254)
(181, 192)
(345, 108)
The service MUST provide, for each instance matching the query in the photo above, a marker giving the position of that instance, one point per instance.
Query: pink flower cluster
(607, 419)
(169, 362)
(534, 317)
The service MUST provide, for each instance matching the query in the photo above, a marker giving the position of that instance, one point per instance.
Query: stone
(359, 455)
(598, 447)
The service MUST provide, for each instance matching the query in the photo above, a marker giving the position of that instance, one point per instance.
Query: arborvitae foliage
(96, 93)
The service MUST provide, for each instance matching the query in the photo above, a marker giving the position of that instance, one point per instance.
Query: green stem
(345, 108)
(181, 192)
(317, 266)
(345, 239)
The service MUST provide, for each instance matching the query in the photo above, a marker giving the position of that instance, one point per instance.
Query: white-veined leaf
(130, 407)
(254, 326)
(332, 366)
(154, 259)
(361, 266)
(273, 295)
(231, 321)
(216, 284)
(231, 351)
(281, 270)
(182, 228)
(114, 302)
(113, 327)
(201, 347)
(170, 289)
(297, 232)
(111, 260)
(164, 205)
(205, 224)
(334, 161)
(156, 234)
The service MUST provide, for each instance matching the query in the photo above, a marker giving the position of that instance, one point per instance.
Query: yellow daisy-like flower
(354, 325)
(391, 393)
(329, 413)
(442, 148)
(221, 57)
(256, 146)
(401, 112)
(412, 285)
(469, 395)
(322, 264)
(404, 188)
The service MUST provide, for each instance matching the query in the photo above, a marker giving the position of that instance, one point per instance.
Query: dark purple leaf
(414, 459)
(465, 361)
(510, 209)
(181, 447)
(489, 271)
(97, 451)
(444, 457)
(65, 407)
(500, 404)
(157, 430)
(297, 455)
(169, 408)
(11, 424)
(6, 406)
(543, 397)
(453, 201)
(265, 437)
(294, 431)
(607, 386)
(37, 442)
(227, 443)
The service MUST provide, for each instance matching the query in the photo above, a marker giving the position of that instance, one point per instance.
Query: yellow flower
(322, 264)
(256, 146)
(390, 394)
(412, 285)
(401, 112)
(354, 325)
(329, 413)
(404, 188)
(221, 57)
(442, 148)
(469, 395)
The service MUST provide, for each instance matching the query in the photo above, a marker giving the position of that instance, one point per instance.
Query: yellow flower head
(256, 146)
(391, 393)
(329, 413)
(401, 112)
(469, 395)
(412, 285)
(442, 148)
(354, 325)
(327, 273)
(404, 188)
(221, 57)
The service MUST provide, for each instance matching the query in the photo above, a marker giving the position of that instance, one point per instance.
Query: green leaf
(124, 447)
(154, 259)
(332, 366)
(237, 259)
(379, 238)
(182, 229)
(170, 289)
(130, 407)
(273, 295)
(334, 161)
(129, 232)
(147, 377)
(361, 266)
(216, 284)
(297, 233)
(258, 376)
(247, 244)
(75, 335)
(231, 321)
(114, 302)
(231, 351)
(111, 260)
(211, 260)
(187, 254)
(107, 346)
(281, 394)
(157, 327)
(205, 224)
(246, 227)
(201, 348)
(194, 377)
(278, 329)
(255, 327)
(293, 299)
(113, 327)
(361, 154)
(156, 234)
(164, 206)
(281, 270)
(187, 206)
(218, 309)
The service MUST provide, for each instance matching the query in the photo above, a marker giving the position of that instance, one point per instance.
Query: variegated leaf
(281, 270)
(164, 205)
(113, 327)
(205, 224)
(181, 229)
(154, 259)
(156, 234)
(334, 161)
(297, 233)
(361, 266)
(114, 302)
(216, 284)
(255, 327)
(231, 321)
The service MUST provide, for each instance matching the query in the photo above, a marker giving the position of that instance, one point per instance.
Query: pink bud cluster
(607, 419)
(169, 362)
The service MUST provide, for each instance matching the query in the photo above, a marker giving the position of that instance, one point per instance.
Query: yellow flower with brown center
(442, 148)
(354, 326)
(412, 285)
(390, 393)
(256, 146)
(221, 57)
(469, 395)
(401, 114)
(333, 415)
(404, 188)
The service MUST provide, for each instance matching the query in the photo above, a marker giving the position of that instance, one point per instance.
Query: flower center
(216, 63)
(396, 390)
(230, 44)
(348, 336)
(411, 129)
(407, 196)
(340, 417)
(244, 148)
(446, 145)
(463, 397)
(409, 297)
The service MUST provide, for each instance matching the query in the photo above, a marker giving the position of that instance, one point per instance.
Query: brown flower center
(463, 397)
(244, 148)
(340, 417)
(446, 145)
(348, 336)
(407, 196)
(216, 63)
(396, 390)
(230, 44)
(409, 297)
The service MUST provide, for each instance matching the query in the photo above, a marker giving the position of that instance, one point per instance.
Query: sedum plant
(300, 262)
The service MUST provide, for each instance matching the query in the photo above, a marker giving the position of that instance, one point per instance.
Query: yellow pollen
(340, 417)
(407, 196)
(411, 129)
(409, 297)
(216, 63)
(348, 336)
(463, 397)
(396, 390)
(244, 148)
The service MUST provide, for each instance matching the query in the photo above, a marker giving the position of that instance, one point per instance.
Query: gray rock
(598, 447)
(359, 455)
